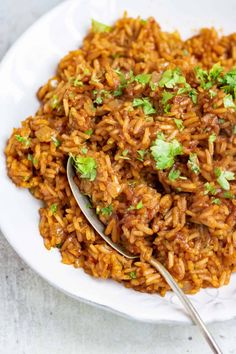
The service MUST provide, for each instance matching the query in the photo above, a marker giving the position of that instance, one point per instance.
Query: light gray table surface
(37, 319)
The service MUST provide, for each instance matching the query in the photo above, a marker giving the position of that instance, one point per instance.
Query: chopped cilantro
(202, 76)
(88, 132)
(84, 150)
(216, 201)
(212, 93)
(22, 139)
(153, 85)
(99, 27)
(122, 85)
(210, 188)
(143, 78)
(54, 102)
(78, 82)
(124, 155)
(212, 138)
(145, 103)
(234, 129)
(53, 208)
(223, 177)
(89, 205)
(141, 154)
(56, 141)
(228, 101)
(86, 166)
(139, 205)
(193, 95)
(228, 82)
(221, 120)
(164, 152)
(166, 96)
(174, 174)
(59, 245)
(193, 163)
(215, 72)
(179, 124)
(133, 275)
(171, 78)
(107, 211)
(228, 195)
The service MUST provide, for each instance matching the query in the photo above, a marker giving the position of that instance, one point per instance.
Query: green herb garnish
(59, 245)
(179, 124)
(210, 188)
(54, 102)
(223, 177)
(143, 78)
(166, 96)
(145, 103)
(107, 211)
(174, 174)
(216, 201)
(88, 132)
(171, 78)
(164, 152)
(139, 205)
(22, 139)
(84, 150)
(228, 101)
(212, 138)
(86, 166)
(141, 154)
(193, 163)
(99, 27)
(56, 141)
(53, 208)
(229, 195)
(133, 275)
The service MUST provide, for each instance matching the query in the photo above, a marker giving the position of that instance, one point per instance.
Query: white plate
(28, 64)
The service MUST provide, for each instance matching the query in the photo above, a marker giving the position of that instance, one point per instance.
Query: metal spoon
(92, 218)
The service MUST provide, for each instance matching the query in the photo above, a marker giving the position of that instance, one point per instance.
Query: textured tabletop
(37, 319)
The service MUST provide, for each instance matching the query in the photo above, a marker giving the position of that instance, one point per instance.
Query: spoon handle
(187, 304)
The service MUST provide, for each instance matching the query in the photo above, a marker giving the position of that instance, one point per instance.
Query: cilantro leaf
(54, 102)
(193, 163)
(88, 132)
(56, 141)
(99, 27)
(223, 177)
(228, 82)
(173, 174)
(216, 201)
(210, 188)
(164, 152)
(166, 96)
(139, 205)
(86, 166)
(202, 76)
(170, 78)
(228, 101)
(145, 103)
(228, 195)
(212, 138)
(53, 208)
(234, 129)
(133, 275)
(153, 85)
(143, 78)
(107, 211)
(141, 154)
(84, 150)
(215, 71)
(179, 124)
(22, 139)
